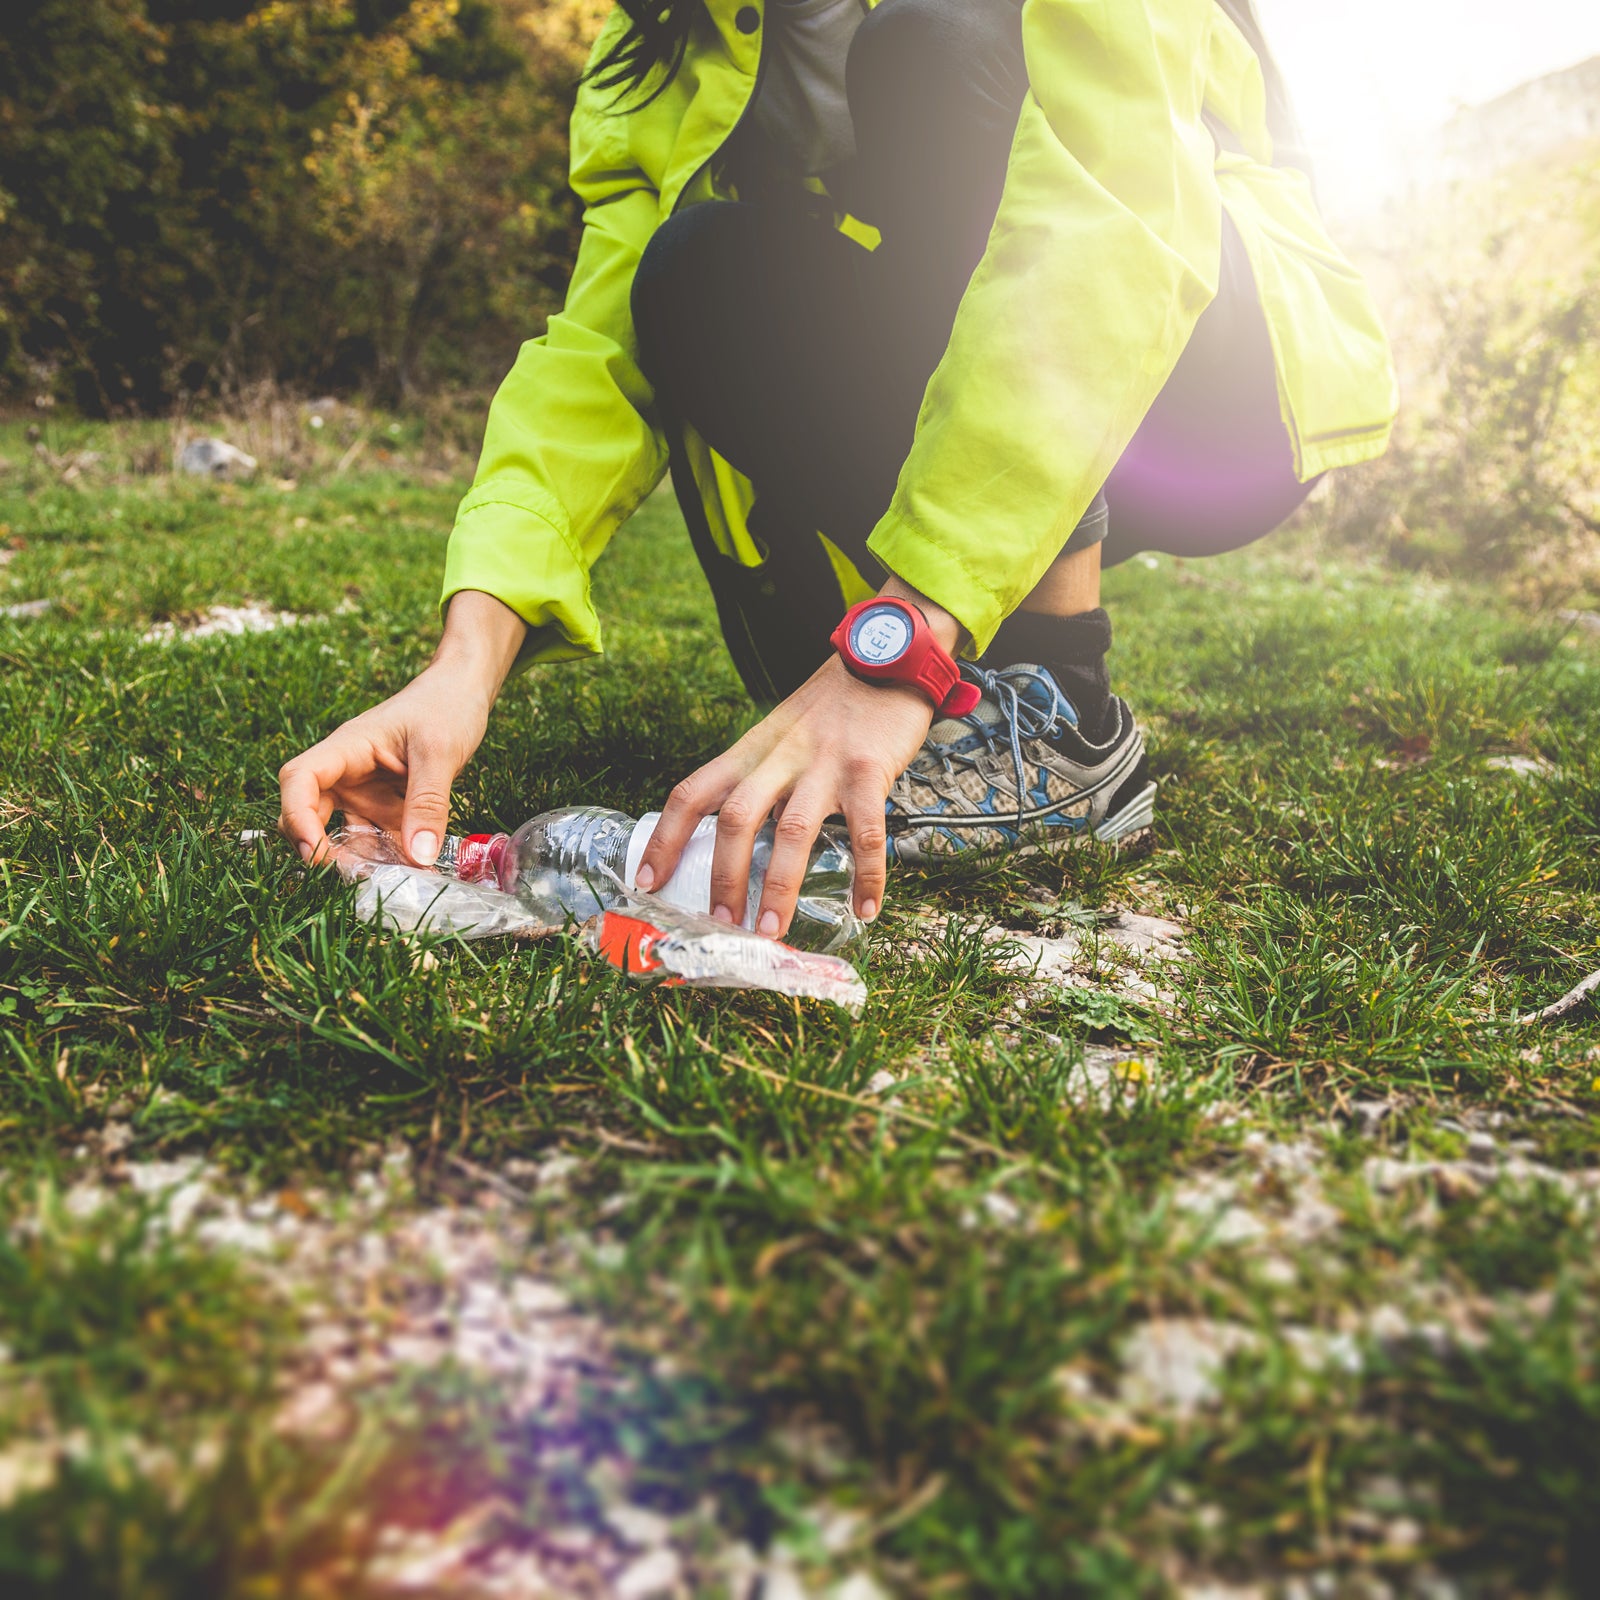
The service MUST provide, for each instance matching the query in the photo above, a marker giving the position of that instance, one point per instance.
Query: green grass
(940, 1285)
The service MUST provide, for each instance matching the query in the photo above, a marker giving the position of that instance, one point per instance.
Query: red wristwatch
(889, 641)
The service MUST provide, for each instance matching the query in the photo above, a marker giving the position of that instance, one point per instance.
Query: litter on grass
(639, 934)
(216, 458)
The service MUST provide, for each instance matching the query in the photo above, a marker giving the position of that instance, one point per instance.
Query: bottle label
(628, 943)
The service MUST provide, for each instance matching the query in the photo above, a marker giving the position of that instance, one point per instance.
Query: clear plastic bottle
(576, 860)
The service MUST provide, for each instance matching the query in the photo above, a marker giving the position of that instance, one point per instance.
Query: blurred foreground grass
(1278, 1271)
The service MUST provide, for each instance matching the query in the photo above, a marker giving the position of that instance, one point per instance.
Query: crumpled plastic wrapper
(644, 936)
(638, 934)
(406, 898)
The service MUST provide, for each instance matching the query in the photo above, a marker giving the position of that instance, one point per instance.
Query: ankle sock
(1073, 648)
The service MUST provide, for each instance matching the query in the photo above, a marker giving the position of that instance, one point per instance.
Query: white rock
(226, 621)
(1522, 766)
(657, 1573)
(1003, 1211)
(837, 1527)
(28, 1467)
(1370, 1115)
(639, 1526)
(859, 1586)
(315, 1412)
(1318, 1350)
(1173, 1363)
(216, 458)
(782, 1583)
(26, 610)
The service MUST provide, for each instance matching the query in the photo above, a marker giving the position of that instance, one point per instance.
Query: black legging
(802, 358)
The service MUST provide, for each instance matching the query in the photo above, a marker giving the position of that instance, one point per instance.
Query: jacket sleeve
(1102, 257)
(572, 445)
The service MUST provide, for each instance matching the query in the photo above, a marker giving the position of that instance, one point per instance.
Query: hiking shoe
(1017, 771)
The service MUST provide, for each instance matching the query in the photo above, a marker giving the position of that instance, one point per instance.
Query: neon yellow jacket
(1051, 365)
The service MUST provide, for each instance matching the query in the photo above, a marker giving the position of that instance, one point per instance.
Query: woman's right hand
(392, 767)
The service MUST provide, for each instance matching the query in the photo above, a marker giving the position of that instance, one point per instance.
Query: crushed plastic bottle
(644, 935)
(573, 862)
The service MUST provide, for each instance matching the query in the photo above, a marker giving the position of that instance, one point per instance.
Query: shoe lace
(1037, 717)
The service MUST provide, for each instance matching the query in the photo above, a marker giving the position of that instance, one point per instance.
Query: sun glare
(1374, 80)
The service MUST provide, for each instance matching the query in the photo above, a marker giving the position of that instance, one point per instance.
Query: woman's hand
(835, 745)
(392, 766)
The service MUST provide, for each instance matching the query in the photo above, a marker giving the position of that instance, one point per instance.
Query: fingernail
(424, 847)
(304, 847)
(768, 926)
(722, 914)
(645, 877)
(869, 910)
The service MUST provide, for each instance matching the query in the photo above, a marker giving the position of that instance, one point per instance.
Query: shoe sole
(1138, 816)
(1130, 829)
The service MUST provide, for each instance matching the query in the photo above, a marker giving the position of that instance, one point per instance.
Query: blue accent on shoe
(1032, 706)
(1059, 819)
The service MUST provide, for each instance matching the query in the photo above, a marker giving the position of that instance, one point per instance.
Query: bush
(198, 194)
(1493, 291)
(1481, 470)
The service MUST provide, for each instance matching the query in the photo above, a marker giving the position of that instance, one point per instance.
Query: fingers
(793, 837)
(863, 811)
(697, 796)
(430, 770)
(738, 823)
(305, 787)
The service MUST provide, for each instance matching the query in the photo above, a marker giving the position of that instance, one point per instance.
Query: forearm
(482, 636)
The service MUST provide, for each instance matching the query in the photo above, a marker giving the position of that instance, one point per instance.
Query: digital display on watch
(881, 635)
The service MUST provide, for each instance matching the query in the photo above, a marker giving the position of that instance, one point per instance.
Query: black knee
(930, 53)
(675, 290)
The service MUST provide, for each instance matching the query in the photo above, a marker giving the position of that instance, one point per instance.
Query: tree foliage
(336, 192)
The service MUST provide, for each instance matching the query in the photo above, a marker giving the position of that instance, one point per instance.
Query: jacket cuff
(514, 542)
(944, 577)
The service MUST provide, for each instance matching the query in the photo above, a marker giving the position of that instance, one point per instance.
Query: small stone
(229, 621)
(639, 1526)
(26, 610)
(1370, 1115)
(782, 1583)
(1389, 1325)
(859, 1586)
(1534, 767)
(1404, 1533)
(1174, 1363)
(315, 1413)
(1003, 1211)
(216, 458)
(657, 1573)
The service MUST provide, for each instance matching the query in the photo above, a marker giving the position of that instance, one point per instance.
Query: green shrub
(335, 192)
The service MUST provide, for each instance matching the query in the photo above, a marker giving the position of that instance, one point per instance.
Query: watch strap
(934, 672)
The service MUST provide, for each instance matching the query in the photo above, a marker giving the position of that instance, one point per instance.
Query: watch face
(881, 635)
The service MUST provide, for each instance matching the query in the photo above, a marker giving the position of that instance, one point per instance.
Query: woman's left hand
(835, 745)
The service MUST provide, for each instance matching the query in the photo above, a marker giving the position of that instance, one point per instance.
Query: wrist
(889, 640)
(479, 645)
(944, 627)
